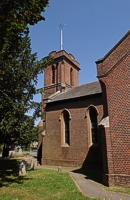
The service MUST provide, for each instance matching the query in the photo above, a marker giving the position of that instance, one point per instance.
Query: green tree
(15, 16)
(28, 135)
(18, 67)
(18, 85)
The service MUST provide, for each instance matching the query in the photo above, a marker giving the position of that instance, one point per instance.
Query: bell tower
(61, 74)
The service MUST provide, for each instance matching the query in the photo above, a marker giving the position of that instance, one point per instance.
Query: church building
(89, 124)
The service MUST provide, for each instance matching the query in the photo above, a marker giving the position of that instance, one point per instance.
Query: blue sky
(92, 28)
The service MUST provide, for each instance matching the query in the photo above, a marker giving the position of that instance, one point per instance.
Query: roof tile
(78, 91)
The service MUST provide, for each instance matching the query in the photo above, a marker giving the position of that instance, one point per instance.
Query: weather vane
(61, 26)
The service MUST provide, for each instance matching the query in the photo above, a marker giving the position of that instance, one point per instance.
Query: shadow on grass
(9, 173)
(91, 173)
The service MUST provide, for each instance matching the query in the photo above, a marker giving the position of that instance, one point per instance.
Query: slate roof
(77, 91)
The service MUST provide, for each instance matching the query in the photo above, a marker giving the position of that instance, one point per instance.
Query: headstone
(19, 150)
(12, 151)
(22, 168)
(11, 154)
(59, 169)
(32, 163)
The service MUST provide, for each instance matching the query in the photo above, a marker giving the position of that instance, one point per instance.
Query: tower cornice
(63, 54)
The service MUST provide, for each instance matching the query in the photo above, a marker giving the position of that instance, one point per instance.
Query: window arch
(92, 125)
(53, 74)
(93, 121)
(71, 71)
(65, 127)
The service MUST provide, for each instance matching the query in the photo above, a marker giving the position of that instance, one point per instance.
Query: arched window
(71, 71)
(91, 116)
(65, 127)
(93, 125)
(53, 74)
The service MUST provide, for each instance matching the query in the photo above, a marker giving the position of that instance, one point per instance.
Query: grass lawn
(39, 184)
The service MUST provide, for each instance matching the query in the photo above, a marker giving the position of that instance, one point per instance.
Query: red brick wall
(115, 56)
(64, 73)
(78, 152)
(119, 107)
(114, 72)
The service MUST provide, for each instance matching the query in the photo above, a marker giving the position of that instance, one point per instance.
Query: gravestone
(31, 162)
(23, 168)
(19, 150)
(12, 151)
(11, 154)
(59, 169)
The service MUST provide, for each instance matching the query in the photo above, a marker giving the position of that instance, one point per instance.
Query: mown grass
(39, 184)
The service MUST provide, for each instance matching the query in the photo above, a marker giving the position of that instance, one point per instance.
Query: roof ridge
(82, 84)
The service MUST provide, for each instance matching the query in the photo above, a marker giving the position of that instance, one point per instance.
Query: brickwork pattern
(116, 180)
(63, 77)
(114, 72)
(78, 151)
(114, 57)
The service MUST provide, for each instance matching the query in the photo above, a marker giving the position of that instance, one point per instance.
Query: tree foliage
(18, 67)
(15, 16)
(28, 135)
